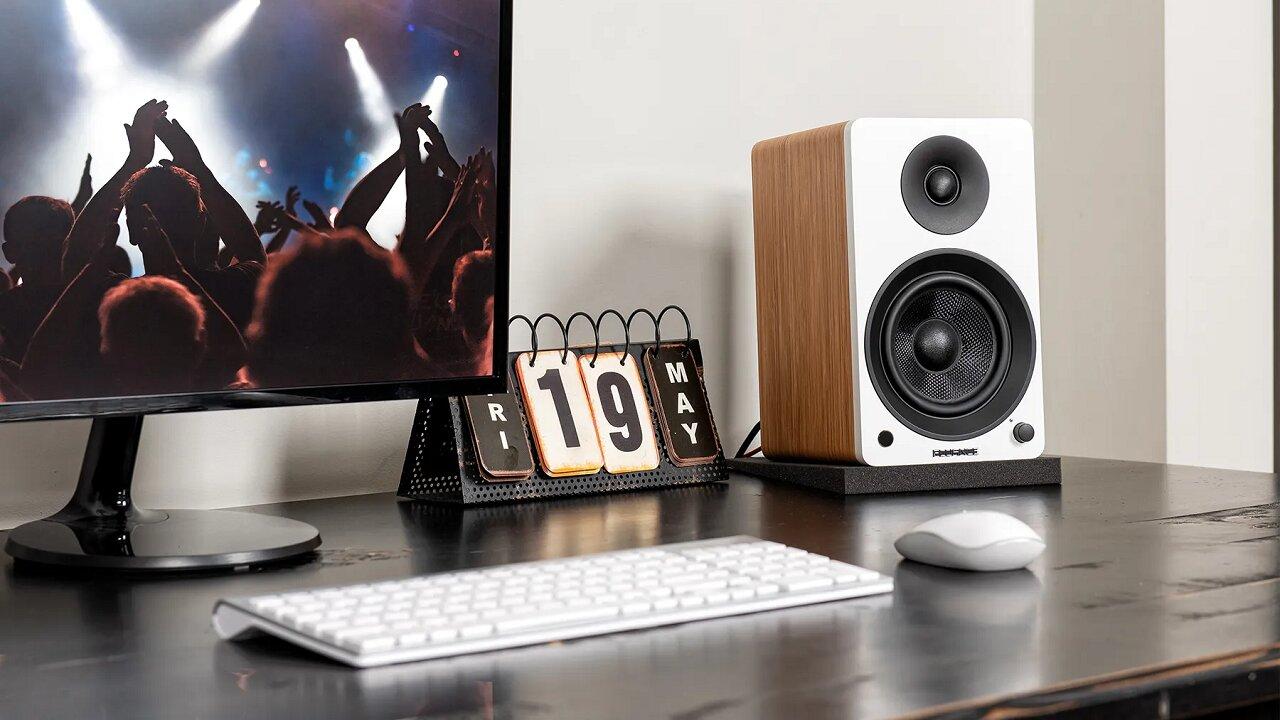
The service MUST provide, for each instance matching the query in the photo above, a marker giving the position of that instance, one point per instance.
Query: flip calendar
(576, 419)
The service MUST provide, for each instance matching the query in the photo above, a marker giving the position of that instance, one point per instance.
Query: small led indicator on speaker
(885, 438)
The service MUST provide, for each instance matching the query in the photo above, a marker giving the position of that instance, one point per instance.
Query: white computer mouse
(972, 540)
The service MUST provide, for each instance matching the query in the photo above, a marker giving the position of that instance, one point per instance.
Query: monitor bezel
(496, 381)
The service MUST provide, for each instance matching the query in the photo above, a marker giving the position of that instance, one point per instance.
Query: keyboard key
(443, 635)
(805, 582)
(372, 644)
(698, 586)
(477, 630)
(530, 622)
(411, 639)
(358, 633)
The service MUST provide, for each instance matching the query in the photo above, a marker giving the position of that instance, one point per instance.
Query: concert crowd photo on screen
(211, 195)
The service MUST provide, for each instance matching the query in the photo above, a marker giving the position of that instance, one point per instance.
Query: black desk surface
(1159, 591)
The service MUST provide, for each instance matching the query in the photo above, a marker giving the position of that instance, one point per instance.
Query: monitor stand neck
(101, 529)
(104, 493)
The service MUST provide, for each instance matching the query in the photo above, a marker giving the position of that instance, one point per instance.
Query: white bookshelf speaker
(897, 292)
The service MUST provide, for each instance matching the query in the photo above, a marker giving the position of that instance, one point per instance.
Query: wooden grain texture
(802, 296)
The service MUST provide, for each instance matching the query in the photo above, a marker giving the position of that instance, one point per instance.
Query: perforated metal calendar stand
(440, 465)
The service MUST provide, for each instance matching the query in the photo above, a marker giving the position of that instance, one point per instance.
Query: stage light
(222, 33)
(434, 96)
(100, 51)
(373, 96)
(457, 52)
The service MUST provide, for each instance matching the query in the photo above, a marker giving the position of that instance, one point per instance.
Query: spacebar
(529, 622)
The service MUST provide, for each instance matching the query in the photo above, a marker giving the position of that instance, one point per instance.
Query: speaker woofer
(950, 344)
(945, 185)
(946, 344)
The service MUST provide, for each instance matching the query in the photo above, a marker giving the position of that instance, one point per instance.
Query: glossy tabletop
(1156, 579)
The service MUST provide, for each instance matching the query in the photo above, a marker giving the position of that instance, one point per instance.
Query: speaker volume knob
(1024, 433)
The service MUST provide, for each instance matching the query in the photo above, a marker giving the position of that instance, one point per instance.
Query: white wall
(1099, 115)
(633, 123)
(1153, 143)
(1218, 184)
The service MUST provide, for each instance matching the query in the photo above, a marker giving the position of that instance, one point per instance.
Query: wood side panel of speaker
(802, 296)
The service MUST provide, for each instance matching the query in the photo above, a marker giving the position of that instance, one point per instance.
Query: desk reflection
(446, 537)
(989, 618)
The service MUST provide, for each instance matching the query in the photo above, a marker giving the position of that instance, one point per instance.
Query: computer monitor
(241, 203)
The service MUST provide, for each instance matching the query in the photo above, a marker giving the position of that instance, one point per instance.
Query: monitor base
(165, 541)
(100, 527)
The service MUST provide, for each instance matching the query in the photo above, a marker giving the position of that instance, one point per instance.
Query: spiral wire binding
(533, 358)
(564, 352)
(533, 330)
(657, 325)
(595, 323)
(626, 332)
(632, 318)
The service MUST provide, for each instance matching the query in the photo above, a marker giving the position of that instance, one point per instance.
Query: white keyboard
(471, 611)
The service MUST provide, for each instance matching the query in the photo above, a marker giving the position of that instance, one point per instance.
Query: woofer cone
(977, 344)
(950, 344)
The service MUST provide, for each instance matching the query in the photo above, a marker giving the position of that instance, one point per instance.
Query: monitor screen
(212, 200)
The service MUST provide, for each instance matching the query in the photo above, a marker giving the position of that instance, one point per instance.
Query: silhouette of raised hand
(86, 177)
(142, 131)
(291, 198)
(483, 205)
(416, 115)
(464, 187)
(429, 126)
(175, 137)
(437, 147)
(318, 216)
(85, 192)
(408, 129)
(268, 219)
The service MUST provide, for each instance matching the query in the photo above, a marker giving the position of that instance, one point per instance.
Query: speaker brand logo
(953, 452)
